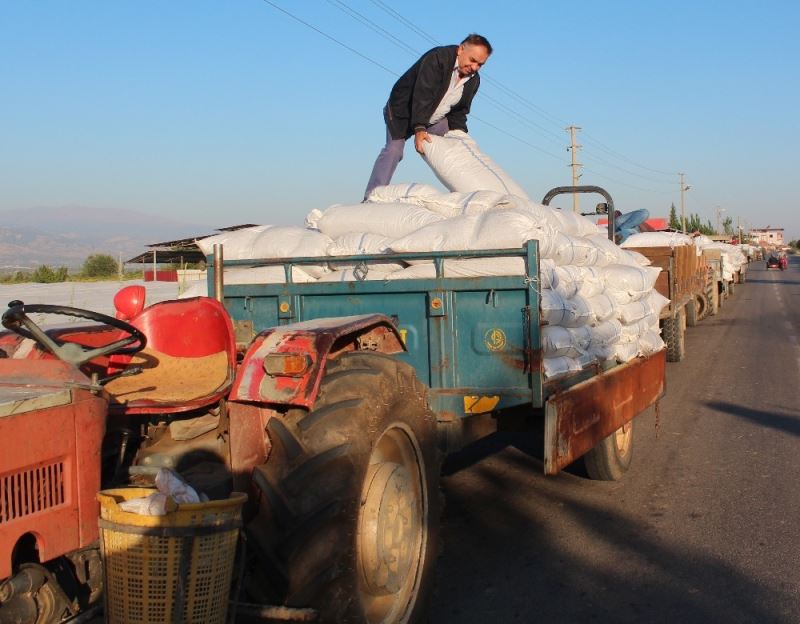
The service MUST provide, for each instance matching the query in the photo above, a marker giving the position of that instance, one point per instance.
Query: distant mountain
(67, 235)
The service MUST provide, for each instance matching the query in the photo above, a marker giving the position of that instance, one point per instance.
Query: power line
(372, 26)
(411, 26)
(515, 137)
(633, 173)
(615, 181)
(334, 39)
(626, 159)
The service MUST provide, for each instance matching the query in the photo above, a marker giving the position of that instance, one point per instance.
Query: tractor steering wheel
(16, 319)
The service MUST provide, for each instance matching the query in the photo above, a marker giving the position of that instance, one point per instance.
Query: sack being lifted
(461, 166)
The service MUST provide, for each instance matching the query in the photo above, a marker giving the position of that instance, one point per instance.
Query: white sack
(624, 297)
(556, 366)
(558, 341)
(547, 276)
(579, 312)
(460, 165)
(609, 253)
(271, 241)
(288, 241)
(232, 241)
(573, 280)
(471, 267)
(448, 235)
(563, 221)
(374, 272)
(553, 307)
(476, 202)
(650, 343)
(496, 229)
(409, 193)
(657, 239)
(358, 243)
(603, 308)
(575, 224)
(653, 303)
(605, 334)
(393, 220)
(636, 258)
(633, 279)
(631, 332)
(625, 351)
(581, 337)
(565, 249)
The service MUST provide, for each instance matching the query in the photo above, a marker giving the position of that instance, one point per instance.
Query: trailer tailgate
(578, 418)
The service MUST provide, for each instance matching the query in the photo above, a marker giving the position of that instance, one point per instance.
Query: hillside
(67, 235)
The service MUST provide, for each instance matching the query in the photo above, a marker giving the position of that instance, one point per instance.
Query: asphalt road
(704, 528)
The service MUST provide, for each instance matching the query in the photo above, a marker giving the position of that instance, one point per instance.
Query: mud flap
(578, 418)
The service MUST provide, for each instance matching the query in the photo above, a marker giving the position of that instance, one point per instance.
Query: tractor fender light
(286, 364)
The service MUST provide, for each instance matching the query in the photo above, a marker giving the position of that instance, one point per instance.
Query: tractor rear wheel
(349, 498)
(612, 456)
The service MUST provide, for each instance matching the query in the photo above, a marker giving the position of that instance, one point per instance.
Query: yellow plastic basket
(175, 568)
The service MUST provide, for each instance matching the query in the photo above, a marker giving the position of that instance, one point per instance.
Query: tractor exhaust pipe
(219, 283)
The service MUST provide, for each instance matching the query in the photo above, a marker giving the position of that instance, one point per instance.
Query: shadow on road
(773, 420)
(521, 547)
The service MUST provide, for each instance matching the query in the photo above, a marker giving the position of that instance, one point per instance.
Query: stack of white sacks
(732, 255)
(597, 300)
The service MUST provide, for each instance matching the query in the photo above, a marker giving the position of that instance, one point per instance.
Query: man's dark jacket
(417, 93)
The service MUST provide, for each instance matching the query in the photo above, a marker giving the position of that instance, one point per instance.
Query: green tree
(45, 275)
(707, 228)
(99, 265)
(727, 225)
(674, 222)
(693, 224)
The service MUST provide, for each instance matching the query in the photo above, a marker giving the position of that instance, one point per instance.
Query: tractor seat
(188, 361)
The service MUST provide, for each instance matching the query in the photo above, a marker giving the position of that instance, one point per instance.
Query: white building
(768, 235)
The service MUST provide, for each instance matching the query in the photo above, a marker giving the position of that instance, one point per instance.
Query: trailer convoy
(331, 404)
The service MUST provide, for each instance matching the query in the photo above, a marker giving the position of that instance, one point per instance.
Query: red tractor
(105, 405)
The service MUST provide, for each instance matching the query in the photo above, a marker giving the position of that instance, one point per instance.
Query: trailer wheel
(611, 458)
(713, 301)
(692, 313)
(349, 499)
(672, 331)
(701, 301)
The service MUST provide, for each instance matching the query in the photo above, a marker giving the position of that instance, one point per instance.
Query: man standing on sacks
(432, 97)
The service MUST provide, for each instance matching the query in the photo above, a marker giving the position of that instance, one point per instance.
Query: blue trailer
(370, 383)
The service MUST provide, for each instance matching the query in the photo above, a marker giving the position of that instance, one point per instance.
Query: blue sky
(230, 112)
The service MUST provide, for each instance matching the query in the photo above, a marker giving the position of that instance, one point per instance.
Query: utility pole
(684, 188)
(574, 147)
(739, 228)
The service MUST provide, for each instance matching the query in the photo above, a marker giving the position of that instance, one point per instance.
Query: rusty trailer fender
(580, 417)
(315, 340)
